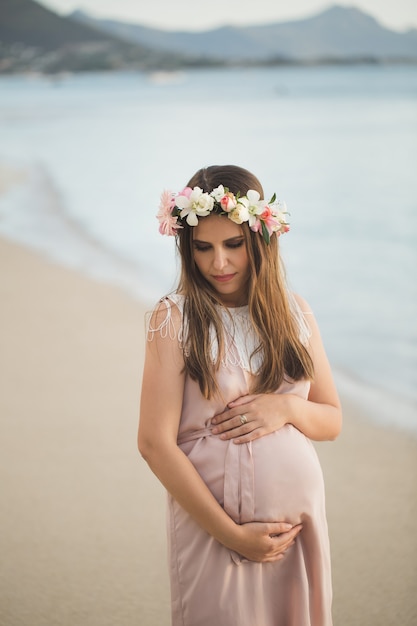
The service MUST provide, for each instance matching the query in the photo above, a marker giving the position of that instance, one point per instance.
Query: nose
(219, 259)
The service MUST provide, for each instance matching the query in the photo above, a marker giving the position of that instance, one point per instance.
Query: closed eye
(235, 244)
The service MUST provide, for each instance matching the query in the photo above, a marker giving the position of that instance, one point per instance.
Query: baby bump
(288, 480)
(277, 477)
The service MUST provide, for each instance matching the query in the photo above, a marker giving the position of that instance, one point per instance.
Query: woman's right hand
(265, 542)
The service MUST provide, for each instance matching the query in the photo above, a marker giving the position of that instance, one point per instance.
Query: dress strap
(159, 320)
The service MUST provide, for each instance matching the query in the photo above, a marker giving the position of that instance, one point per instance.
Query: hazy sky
(195, 14)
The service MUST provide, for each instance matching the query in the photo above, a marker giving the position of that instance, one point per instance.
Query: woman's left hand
(253, 416)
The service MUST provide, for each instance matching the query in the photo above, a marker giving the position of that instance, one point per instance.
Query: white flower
(253, 204)
(240, 214)
(198, 204)
(218, 193)
(282, 208)
(251, 200)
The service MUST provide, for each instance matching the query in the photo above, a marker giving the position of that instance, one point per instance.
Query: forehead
(216, 228)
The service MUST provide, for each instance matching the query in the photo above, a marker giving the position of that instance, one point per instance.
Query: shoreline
(83, 523)
(55, 233)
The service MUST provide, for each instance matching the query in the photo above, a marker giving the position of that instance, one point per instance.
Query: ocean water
(84, 158)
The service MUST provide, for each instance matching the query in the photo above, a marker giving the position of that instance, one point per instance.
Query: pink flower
(187, 191)
(256, 226)
(228, 202)
(168, 223)
(269, 219)
(273, 221)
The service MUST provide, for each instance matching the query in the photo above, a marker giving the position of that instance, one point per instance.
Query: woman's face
(221, 256)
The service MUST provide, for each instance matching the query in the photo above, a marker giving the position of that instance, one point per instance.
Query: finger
(233, 423)
(294, 531)
(226, 416)
(241, 401)
(222, 417)
(282, 543)
(256, 433)
(242, 434)
(276, 528)
(285, 533)
(280, 547)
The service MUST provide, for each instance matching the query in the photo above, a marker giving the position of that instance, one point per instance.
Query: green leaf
(272, 200)
(265, 233)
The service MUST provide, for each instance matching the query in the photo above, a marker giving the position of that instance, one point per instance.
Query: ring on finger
(243, 419)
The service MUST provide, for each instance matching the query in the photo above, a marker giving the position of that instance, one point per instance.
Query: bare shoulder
(303, 304)
(309, 319)
(164, 347)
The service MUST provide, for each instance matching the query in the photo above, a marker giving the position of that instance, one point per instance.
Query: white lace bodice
(240, 336)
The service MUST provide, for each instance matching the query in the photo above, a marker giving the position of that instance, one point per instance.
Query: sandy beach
(82, 519)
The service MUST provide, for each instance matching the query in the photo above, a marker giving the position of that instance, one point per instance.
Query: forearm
(183, 482)
(318, 421)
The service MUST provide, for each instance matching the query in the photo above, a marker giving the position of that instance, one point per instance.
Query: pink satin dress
(275, 478)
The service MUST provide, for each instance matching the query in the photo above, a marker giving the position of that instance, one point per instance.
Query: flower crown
(263, 217)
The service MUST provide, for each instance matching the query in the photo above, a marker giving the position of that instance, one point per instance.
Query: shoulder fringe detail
(166, 327)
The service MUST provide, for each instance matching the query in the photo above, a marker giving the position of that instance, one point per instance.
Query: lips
(224, 278)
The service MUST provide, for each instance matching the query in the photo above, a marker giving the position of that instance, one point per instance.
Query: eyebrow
(237, 238)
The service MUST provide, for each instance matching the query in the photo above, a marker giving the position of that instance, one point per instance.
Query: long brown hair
(283, 354)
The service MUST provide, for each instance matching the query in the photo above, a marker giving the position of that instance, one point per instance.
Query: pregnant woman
(236, 384)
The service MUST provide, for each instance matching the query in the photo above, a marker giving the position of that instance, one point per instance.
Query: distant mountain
(338, 33)
(35, 38)
(25, 21)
